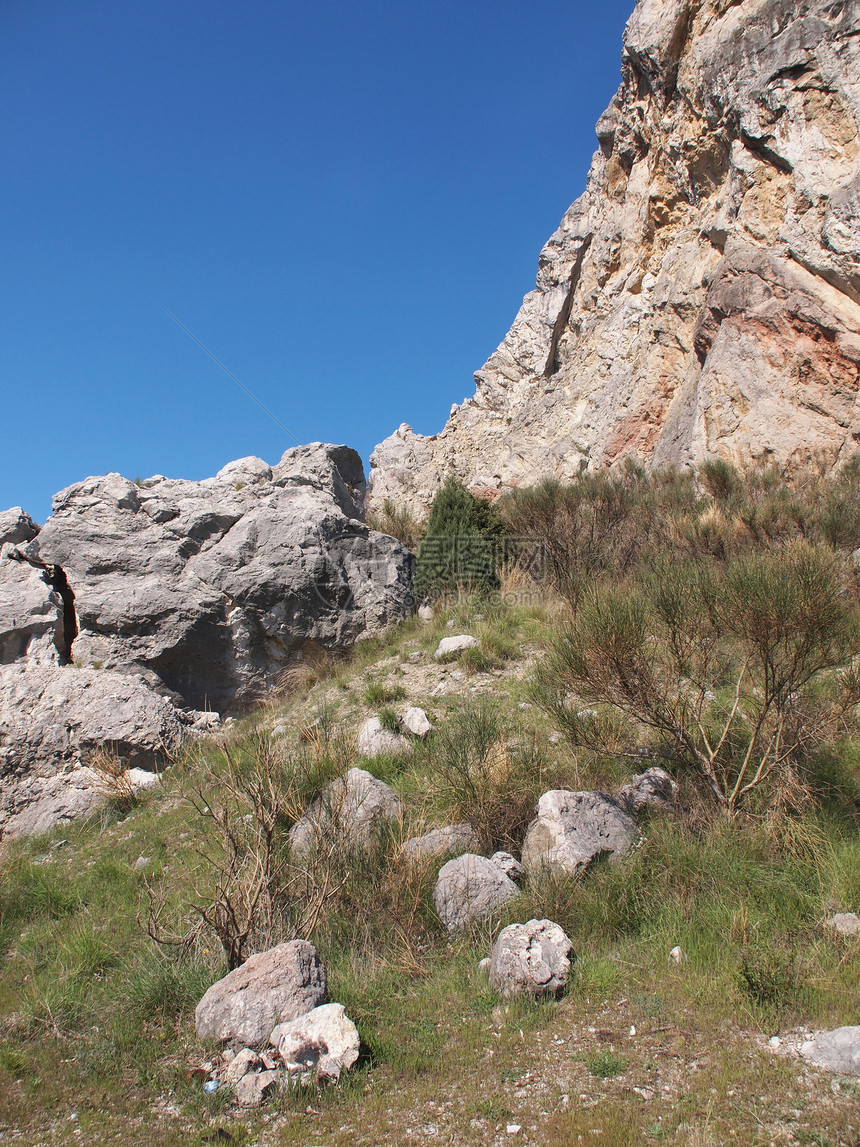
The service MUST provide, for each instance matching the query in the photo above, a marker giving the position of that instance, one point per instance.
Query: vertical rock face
(702, 297)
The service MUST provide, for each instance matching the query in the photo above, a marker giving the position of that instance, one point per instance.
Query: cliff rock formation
(702, 297)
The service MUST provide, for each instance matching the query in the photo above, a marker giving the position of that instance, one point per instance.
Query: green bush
(461, 544)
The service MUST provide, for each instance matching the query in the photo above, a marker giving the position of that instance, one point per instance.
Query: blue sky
(345, 202)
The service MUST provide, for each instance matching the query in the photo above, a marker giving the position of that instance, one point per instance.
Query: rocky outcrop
(702, 297)
(212, 587)
(142, 609)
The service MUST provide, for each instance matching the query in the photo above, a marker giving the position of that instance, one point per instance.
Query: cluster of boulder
(142, 610)
(277, 1029)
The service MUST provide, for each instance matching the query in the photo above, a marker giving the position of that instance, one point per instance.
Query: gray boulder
(837, 1050)
(16, 526)
(530, 959)
(445, 841)
(268, 989)
(353, 807)
(574, 828)
(318, 1046)
(652, 789)
(214, 586)
(53, 718)
(470, 889)
(375, 741)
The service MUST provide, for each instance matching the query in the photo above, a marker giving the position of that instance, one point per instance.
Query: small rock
(375, 741)
(425, 612)
(449, 624)
(677, 955)
(555, 738)
(837, 1050)
(530, 959)
(469, 889)
(251, 1088)
(240, 1065)
(511, 867)
(774, 1042)
(652, 789)
(513, 1129)
(416, 657)
(416, 722)
(484, 965)
(318, 1046)
(844, 923)
(449, 646)
(142, 862)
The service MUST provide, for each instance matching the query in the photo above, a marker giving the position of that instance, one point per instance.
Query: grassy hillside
(97, 1015)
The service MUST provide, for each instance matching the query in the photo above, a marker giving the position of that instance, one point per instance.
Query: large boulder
(318, 1046)
(352, 808)
(214, 586)
(270, 988)
(572, 829)
(837, 1050)
(530, 959)
(470, 889)
(54, 718)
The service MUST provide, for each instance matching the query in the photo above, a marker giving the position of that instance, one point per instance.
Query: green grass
(96, 1021)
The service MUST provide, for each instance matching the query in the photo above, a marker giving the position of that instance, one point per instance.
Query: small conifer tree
(460, 546)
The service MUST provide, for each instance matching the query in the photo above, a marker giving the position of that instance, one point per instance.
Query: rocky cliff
(702, 297)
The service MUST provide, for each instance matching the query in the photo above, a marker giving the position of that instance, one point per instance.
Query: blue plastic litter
(211, 1085)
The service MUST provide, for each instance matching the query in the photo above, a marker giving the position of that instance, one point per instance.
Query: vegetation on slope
(111, 930)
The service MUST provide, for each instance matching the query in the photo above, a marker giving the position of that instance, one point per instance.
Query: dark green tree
(460, 549)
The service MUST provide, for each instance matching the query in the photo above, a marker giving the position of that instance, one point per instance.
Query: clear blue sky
(344, 201)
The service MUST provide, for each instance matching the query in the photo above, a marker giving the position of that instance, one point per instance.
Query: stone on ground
(844, 923)
(251, 1088)
(318, 1046)
(376, 741)
(837, 1050)
(270, 988)
(353, 806)
(572, 829)
(450, 646)
(451, 839)
(416, 722)
(530, 959)
(470, 889)
(509, 865)
(652, 789)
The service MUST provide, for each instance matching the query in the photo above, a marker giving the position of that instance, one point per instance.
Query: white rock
(530, 959)
(376, 741)
(844, 923)
(416, 722)
(449, 646)
(318, 1046)
(451, 838)
(574, 828)
(241, 1063)
(425, 612)
(677, 955)
(837, 1050)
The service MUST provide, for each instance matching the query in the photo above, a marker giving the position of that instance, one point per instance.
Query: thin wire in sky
(229, 372)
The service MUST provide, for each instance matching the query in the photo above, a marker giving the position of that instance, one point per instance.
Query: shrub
(460, 546)
(725, 666)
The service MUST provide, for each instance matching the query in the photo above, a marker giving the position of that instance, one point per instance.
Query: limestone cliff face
(702, 297)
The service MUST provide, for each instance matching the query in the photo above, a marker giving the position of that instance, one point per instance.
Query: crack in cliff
(56, 578)
(552, 363)
(761, 151)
